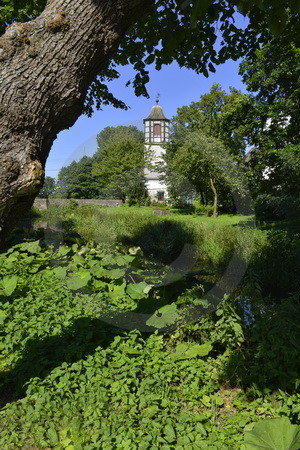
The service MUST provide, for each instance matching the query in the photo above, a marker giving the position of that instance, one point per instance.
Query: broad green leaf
(9, 284)
(273, 434)
(100, 285)
(148, 288)
(76, 282)
(137, 291)
(118, 290)
(121, 260)
(100, 272)
(63, 250)
(109, 260)
(167, 315)
(218, 400)
(117, 273)
(31, 247)
(187, 351)
(52, 435)
(78, 260)
(169, 433)
(60, 272)
(84, 274)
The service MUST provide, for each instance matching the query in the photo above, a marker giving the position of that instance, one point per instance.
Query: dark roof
(156, 113)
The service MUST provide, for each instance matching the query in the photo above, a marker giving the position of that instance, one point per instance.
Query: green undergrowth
(270, 251)
(73, 378)
(162, 238)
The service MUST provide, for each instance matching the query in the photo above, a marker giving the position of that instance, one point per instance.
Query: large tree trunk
(46, 67)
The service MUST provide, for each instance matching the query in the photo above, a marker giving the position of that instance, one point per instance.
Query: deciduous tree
(272, 75)
(119, 161)
(76, 180)
(48, 188)
(206, 164)
(216, 114)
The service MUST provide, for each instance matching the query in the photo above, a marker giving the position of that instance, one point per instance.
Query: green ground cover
(72, 379)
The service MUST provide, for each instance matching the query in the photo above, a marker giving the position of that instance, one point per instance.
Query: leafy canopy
(119, 161)
(216, 114)
(48, 188)
(203, 164)
(77, 181)
(197, 26)
(272, 75)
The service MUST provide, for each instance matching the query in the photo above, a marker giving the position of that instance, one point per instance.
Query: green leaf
(52, 435)
(78, 281)
(31, 247)
(118, 290)
(273, 434)
(9, 284)
(2, 316)
(164, 316)
(218, 400)
(100, 272)
(188, 351)
(151, 411)
(137, 291)
(206, 401)
(109, 260)
(117, 273)
(169, 433)
(63, 250)
(60, 272)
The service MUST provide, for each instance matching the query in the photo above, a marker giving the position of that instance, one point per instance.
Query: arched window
(157, 129)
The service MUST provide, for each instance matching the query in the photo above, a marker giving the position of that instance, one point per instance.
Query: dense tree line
(116, 170)
(266, 119)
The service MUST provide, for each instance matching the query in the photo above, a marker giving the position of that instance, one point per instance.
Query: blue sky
(176, 86)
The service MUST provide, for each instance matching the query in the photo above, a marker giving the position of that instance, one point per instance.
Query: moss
(59, 23)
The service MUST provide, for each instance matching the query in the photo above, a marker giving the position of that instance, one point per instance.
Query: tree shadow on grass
(28, 229)
(41, 356)
(163, 241)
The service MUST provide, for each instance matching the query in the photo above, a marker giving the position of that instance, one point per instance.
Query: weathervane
(157, 98)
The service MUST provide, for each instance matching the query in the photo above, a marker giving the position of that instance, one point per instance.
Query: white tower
(156, 127)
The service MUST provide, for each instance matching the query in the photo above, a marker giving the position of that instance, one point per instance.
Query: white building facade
(156, 132)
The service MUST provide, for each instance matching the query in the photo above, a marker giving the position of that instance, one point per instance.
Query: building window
(160, 195)
(157, 129)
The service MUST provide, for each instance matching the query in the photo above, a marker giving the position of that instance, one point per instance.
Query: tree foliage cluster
(120, 162)
(114, 171)
(207, 140)
(196, 27)
(266, 118)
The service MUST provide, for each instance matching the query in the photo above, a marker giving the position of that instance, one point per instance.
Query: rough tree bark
(46, 67)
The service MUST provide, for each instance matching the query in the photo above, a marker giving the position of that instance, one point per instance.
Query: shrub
(268, 207)
(202, 209)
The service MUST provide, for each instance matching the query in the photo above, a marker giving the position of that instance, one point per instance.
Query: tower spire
(157, 98)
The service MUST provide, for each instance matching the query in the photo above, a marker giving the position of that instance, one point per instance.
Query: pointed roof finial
(157, 98)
